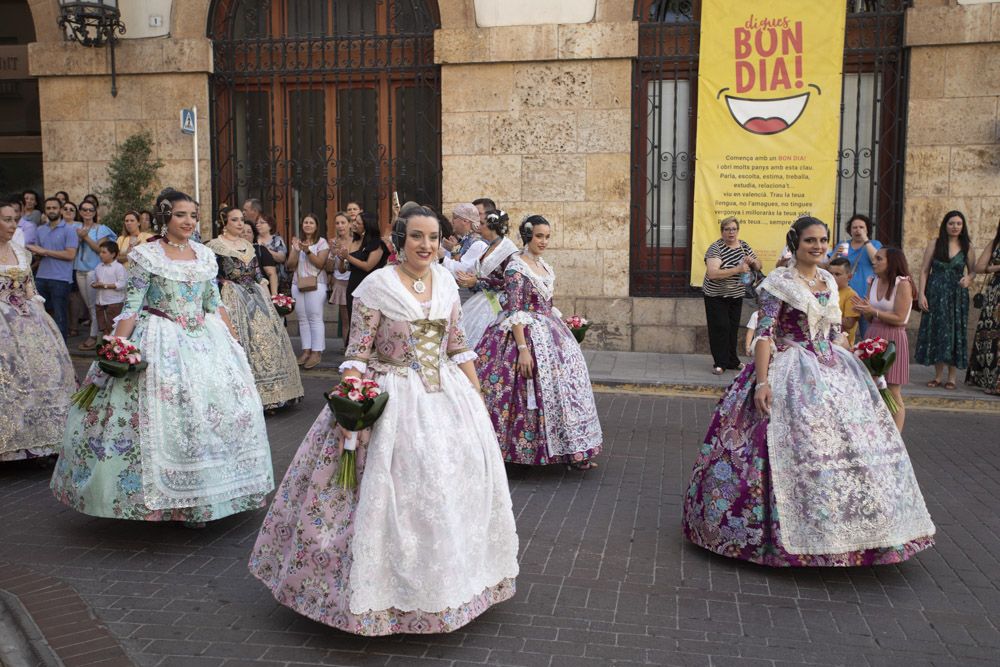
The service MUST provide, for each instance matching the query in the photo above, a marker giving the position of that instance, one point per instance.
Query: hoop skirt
(36, 374)
(826, 480)
(183, 440)
(551, 418)
(427, 541)
(260, 329)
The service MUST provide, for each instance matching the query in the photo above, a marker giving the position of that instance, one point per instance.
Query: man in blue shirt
(57, 244)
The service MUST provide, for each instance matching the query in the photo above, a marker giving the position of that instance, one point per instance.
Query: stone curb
(17, 624)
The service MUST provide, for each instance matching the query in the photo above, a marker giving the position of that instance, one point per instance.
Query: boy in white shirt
(108, 279)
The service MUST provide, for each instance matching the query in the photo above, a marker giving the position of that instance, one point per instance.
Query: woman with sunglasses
(92, 234)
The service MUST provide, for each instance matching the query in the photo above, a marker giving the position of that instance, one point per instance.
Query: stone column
(538, 118)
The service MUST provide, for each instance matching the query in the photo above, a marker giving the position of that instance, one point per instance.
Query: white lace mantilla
(383, 291)
(504, 249)
(781, 283)
(152, 258)
(840, 473)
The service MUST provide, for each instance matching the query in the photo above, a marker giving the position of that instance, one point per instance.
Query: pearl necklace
(179, 246)
(418, 281)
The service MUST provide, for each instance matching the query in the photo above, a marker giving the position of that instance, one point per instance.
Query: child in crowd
(840, 267)
(108, 279)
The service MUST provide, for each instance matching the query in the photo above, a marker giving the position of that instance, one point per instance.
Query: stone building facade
(536, 110)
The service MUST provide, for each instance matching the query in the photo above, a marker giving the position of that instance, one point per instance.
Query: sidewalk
(691, 374)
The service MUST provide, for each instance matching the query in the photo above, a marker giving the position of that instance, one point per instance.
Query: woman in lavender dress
(802, 434)
(534, 377)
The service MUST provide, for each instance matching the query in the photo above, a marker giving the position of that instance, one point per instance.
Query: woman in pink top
(888, 306)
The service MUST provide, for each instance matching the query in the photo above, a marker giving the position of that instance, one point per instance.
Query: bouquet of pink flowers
(116, 357)
(578, 325)
(878, 355)
(283, 303)
(356, 404)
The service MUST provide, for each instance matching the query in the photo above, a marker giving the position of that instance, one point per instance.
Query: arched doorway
(20, 121)
(319, 102)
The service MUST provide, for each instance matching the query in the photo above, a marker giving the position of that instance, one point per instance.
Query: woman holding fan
(427, 541)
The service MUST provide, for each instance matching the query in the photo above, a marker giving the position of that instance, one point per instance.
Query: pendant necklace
(811, 283)
(418, 281)
(179, 246)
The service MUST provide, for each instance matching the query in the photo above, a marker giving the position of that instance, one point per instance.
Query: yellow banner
(769, 85)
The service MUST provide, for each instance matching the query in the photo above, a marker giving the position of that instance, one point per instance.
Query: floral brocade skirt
(730, 506)
(425, 544)
(36, 381)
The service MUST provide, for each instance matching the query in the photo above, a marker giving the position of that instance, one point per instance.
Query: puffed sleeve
(767, 315)
(458, 344)
(516, 306)
(135, 290)
(364, 325)
(211, 299)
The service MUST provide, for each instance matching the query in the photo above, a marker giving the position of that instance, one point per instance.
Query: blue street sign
(188, 121)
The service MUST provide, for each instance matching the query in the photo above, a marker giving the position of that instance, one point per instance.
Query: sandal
(88, 344)
(717, 370)
(581, 465)
(949, 385)
(934, 383)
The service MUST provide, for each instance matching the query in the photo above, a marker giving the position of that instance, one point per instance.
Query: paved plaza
(606, 578)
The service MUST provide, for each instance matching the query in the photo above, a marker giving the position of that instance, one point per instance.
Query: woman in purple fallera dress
(534, 377)
(803, 435)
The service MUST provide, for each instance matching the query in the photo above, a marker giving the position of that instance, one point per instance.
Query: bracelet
(522, 347)
(760, 385)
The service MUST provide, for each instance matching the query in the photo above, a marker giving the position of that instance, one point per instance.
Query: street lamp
(93, 23)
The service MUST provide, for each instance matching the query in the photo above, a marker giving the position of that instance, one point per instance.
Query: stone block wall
(953, 134)
(82, 123)
(538, 117)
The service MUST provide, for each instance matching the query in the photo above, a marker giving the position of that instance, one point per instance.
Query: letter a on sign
(188, 121)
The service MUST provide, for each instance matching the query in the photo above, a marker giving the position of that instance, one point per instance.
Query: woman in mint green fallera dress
(183, 440)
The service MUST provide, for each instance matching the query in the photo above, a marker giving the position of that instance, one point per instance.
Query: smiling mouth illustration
(767, 116)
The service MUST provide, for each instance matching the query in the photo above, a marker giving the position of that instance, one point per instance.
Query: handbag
(979, 299)
(756, 277)
(306, 283)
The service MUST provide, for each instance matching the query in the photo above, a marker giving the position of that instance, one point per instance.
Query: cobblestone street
(606, 577)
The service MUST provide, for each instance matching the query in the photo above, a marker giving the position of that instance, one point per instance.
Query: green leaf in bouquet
(356, 415)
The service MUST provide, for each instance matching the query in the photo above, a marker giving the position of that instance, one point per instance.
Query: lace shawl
(382, 291)
(781, 283)
(152, 258)
(505, 249)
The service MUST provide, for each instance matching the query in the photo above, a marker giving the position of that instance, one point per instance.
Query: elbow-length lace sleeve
(458, 345)
(364, 325)
(136, 287)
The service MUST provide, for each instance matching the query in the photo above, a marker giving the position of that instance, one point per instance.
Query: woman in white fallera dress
(484, 307)
(427, 541)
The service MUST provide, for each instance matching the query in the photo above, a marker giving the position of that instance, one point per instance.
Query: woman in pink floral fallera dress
(427, 541)
(802, 464)
(535, 379)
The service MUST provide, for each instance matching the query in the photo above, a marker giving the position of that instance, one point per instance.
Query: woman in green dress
(259, 327)
(944, 300)
(984, 364)
(184, 439)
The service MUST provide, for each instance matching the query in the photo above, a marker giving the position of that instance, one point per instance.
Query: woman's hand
(924, 306)
(862, 305)
(296, 246)
(843, 341)
(465, 279)
(762, 398)
(965, 281)
(525, 365)
(744, 267)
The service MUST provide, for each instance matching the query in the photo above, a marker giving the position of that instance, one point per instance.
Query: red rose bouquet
(283, 303)
(878, 355)
(116, 358)
(356, 404)
(578, 326)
